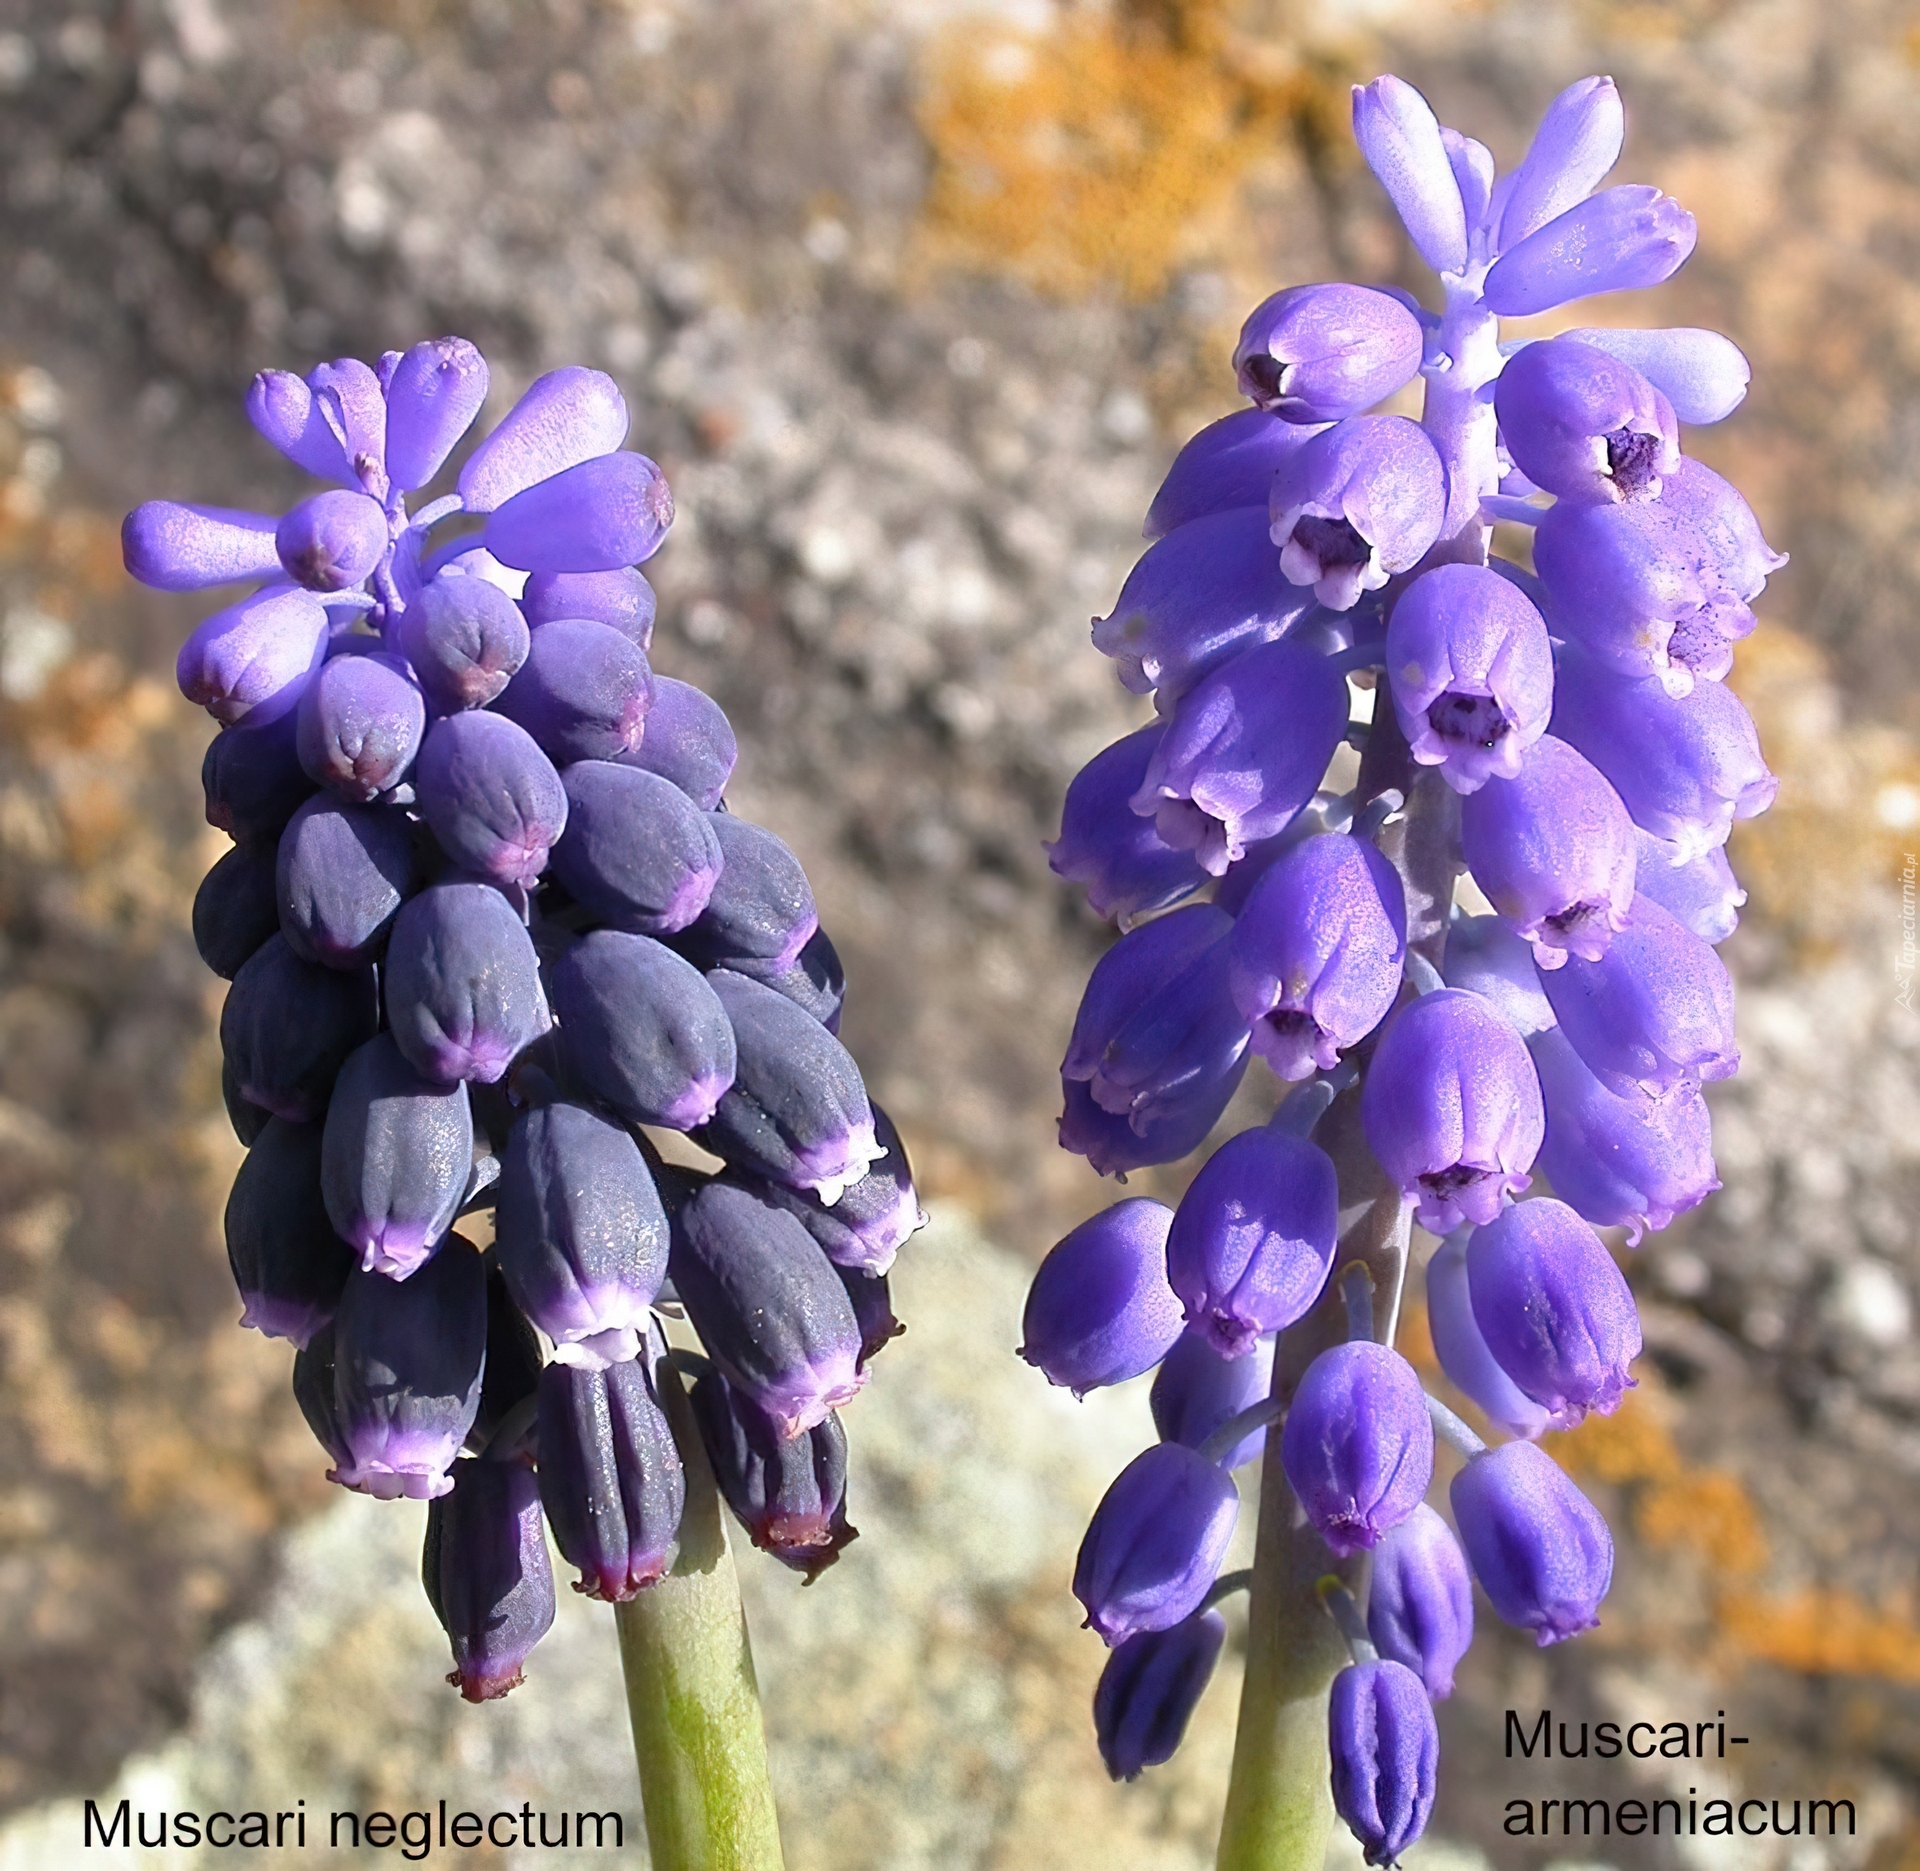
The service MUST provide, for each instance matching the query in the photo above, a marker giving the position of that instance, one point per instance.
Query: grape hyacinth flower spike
(484, 919)
(1565, 732)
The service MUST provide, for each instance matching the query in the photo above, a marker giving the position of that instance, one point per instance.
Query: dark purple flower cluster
(1321, 584)
(491, 930)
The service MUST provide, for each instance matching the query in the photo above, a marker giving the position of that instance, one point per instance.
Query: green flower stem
(691, 1693)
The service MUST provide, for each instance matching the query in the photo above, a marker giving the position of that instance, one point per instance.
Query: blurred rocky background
(914, 302)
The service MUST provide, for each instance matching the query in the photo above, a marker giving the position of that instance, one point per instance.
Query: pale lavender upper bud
(1471, 673)
(408, 1358)
(1157, 1022)
(1196, 1390)
(1633, 1162)
(250, 661)
(566, 417)
(1577, 142)
(360, 723)
(281, 406)
(1583, 425)
(1360, 502)
(349, 401)
(1317, 952)
(1399, 136)
(1230, 463)
(1553, 850)
(465, 639)
(1486, 958)
(1206, 591)
(1420, 1600)
(1153, 1548)
(1686, 766)
(1244, 751)
(1554, 1309)
(1661, 587)
(176, 546)
(1472, 165)
(1253, 1238)
(1701, 892)
(580, 1233)
(434, 394)
(1703, 375)
(622, 598)
(1655, 1011)
(1358, 1444)
(598, 516)
(1100, 1310)
(1385, 1756)
(1321, 353)
(1451, 1107)
(1464, 1353)
(1538, 1546)
(1615, 241)
(1128, 869)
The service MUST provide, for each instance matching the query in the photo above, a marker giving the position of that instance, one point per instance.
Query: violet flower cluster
(1561, 741)
(492, 933)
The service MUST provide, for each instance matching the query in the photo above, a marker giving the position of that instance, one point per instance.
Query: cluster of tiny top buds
(1563, 738)
(490, 931)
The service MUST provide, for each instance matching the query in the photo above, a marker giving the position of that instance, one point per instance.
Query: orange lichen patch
(1822, 1633)
(1849, 803)
(1109, 152)
(1705, 1511)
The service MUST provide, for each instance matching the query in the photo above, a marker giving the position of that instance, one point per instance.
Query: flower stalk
(692, 1697)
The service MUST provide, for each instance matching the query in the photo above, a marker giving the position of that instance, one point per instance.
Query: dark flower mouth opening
(1575, 918)
(1444, 1183)
(1287, 1023)
(1631, 455)
(1476, 720)
(1332, 542)
(1264, 372)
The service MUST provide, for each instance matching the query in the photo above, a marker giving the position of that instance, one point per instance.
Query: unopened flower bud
(766, 1304)
(622, 598)
(1153, 1548)
(610, 1476)
(172, 545)
(1317, 951)
(1463, 1351)
(1486, 958)
(1322, 353)
(1148, 1691)
(1538, 1546)
(1420, 1600)
(1702, 374)
(359, 725)
(1358, 1445)
(637, 852)
(408, 1359)
(761, 910)
(789, 1492)
(1615, 241)
(287, 1027)
(565, 417)
(598, 516)
(1359, 503)
(465, 639)
(490, 796)
(1577, 142)
(251, 661)
(235, 910)
(333, 541)
(1400, 137)
(1100, 1310)
(288, 1263)
(1386, 1756)
(340, 876)
(580, 1233)
(1451, 1107)
(582, 692)
(1176, 1126)
(688, 741)
(434, 394)
(1252, 1241)
(487, 1576)
(1701, 892)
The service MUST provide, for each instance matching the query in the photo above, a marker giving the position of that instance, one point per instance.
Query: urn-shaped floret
(1420, 1600)
(1147, 1693)
(1320, 353)
(1538, 1546)
(1386, 1756)
(1100, 1310)
(1358, 1444)
(1154, 1546)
